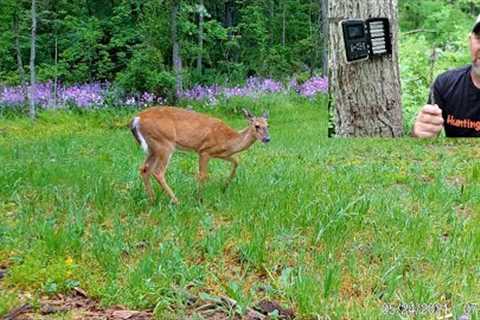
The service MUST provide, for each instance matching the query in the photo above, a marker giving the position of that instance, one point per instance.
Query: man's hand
(429, 122)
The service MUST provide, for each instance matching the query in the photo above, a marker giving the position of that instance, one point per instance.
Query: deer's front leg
(234, 167)
(233, 172)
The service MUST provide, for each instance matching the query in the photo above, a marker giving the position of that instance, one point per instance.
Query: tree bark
(177, 60)
(367, 94)
(32, 62)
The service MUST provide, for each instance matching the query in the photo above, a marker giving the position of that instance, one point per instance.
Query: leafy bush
(144, 73)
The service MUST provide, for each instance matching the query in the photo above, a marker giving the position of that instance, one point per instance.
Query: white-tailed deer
(161, 130)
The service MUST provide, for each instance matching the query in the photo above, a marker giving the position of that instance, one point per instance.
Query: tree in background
(201, 13)
(177, 59)
(31, 89)
(324, 35)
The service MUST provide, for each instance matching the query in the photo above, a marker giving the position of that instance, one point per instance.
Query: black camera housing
(366, 39)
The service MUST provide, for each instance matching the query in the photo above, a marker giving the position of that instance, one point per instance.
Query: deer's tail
(135, 128)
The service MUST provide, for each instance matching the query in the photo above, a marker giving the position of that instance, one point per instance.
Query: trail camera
(366, 39)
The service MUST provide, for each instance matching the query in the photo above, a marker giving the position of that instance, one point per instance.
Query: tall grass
(344, 228)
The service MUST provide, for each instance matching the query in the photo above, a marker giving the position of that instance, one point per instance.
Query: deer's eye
(257, 127)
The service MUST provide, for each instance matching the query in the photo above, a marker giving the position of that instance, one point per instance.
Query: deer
(163, 129)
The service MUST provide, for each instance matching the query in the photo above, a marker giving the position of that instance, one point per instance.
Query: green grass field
(334, 228)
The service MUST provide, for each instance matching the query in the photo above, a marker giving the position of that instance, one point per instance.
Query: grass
(344, 228)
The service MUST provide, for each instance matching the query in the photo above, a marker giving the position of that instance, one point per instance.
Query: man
(454, 102)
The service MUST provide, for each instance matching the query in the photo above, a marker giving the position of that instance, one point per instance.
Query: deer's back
(184, 129)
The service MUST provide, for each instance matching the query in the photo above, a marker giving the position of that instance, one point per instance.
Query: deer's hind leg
(146, 171)
(203, 167)
(163, 156)
(202, 173)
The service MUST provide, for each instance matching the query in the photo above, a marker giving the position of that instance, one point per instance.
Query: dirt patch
(270, 307)
(222, 308)
(80, 307)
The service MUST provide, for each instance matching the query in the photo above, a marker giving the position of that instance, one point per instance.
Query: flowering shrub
(12, 96)
(100, 94)
(313, 86)
(82, 96)
(85, 95)
(254, 88)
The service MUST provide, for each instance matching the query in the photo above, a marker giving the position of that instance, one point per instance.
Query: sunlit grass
(337, 227)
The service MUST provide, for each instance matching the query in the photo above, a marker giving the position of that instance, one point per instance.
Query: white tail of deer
(161, 130)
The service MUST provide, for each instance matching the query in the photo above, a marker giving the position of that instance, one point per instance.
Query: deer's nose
(266, 140)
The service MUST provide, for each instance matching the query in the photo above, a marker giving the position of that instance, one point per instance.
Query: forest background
(128, 45)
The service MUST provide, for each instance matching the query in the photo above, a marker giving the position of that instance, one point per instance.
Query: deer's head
(259, 124)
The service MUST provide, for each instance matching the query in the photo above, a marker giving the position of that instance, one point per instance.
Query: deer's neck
(245, 139)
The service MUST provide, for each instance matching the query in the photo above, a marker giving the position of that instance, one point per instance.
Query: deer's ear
(247, 114)
(265, 115)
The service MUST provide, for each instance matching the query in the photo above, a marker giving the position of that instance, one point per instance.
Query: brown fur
(168, 128)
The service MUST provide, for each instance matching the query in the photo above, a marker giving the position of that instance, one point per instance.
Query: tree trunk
(201, 12)
(16, 32)
(55, 81)
(272, 22)
(366, 94)
(284, 23)
(228, 18)
(32, 62)
(324, 28)
(177, 60)
(312, 59)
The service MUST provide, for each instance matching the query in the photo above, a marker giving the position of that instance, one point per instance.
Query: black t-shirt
(459, 99)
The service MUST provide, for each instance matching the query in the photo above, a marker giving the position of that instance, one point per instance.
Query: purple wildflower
(86, 95)
(96, 94)
(313, 86)
(12, 96)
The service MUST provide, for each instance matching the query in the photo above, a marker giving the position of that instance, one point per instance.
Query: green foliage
(435, 17)
(278, 61)
(417, 76)
(253, 29)
(84, 53)
(144, 73)
(112, 41)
